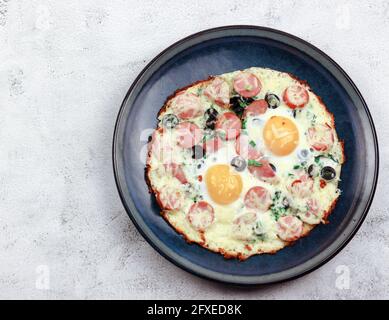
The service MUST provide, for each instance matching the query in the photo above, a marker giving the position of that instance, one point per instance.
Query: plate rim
(240, 280)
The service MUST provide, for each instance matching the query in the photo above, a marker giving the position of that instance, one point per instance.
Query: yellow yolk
(281, 135)
(223, 184)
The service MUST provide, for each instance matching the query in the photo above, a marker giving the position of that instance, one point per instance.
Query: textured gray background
(65, 67)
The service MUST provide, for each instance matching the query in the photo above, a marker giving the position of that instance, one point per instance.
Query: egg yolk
(223, 184)
(281, 135)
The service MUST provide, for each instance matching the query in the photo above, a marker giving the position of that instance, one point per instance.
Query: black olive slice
(238, 104)
(210, 118)
(210, 124)
(311, 170)
(328, 173)
(211, 113)
(272, 100)
(247, 101)
(170, 121)
(238, 110)
(197, 152)
(285, 202)
(238, 163)
(303, 154)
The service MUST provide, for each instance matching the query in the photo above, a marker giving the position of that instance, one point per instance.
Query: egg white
(283, 164)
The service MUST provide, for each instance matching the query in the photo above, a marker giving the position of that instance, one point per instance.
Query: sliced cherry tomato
(296, 182)
(289, 228)
(228, 125)
(201, 215)
(296, 96)
(188, 134)
(247, 84)
(258, 198)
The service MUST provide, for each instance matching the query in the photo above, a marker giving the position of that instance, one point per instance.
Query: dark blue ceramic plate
(221, 50)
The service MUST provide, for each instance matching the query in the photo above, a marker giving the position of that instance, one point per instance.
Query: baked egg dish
(246, 162)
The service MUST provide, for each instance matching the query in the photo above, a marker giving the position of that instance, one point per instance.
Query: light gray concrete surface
(65, 67)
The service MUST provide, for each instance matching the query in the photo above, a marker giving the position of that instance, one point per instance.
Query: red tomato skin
(291, 104)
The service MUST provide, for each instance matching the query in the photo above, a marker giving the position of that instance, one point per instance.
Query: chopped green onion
(254, 163)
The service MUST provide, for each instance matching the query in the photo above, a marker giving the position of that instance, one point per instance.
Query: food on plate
(246, 162)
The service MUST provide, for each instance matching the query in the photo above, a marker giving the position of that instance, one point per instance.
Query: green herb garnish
(252, 143)
(242, 104)
(244, 123)
(278, 207)
(332, 158)
(329, 156)
(208, 136)
(254, 163)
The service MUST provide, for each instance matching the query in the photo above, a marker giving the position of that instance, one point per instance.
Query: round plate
(222, 50)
